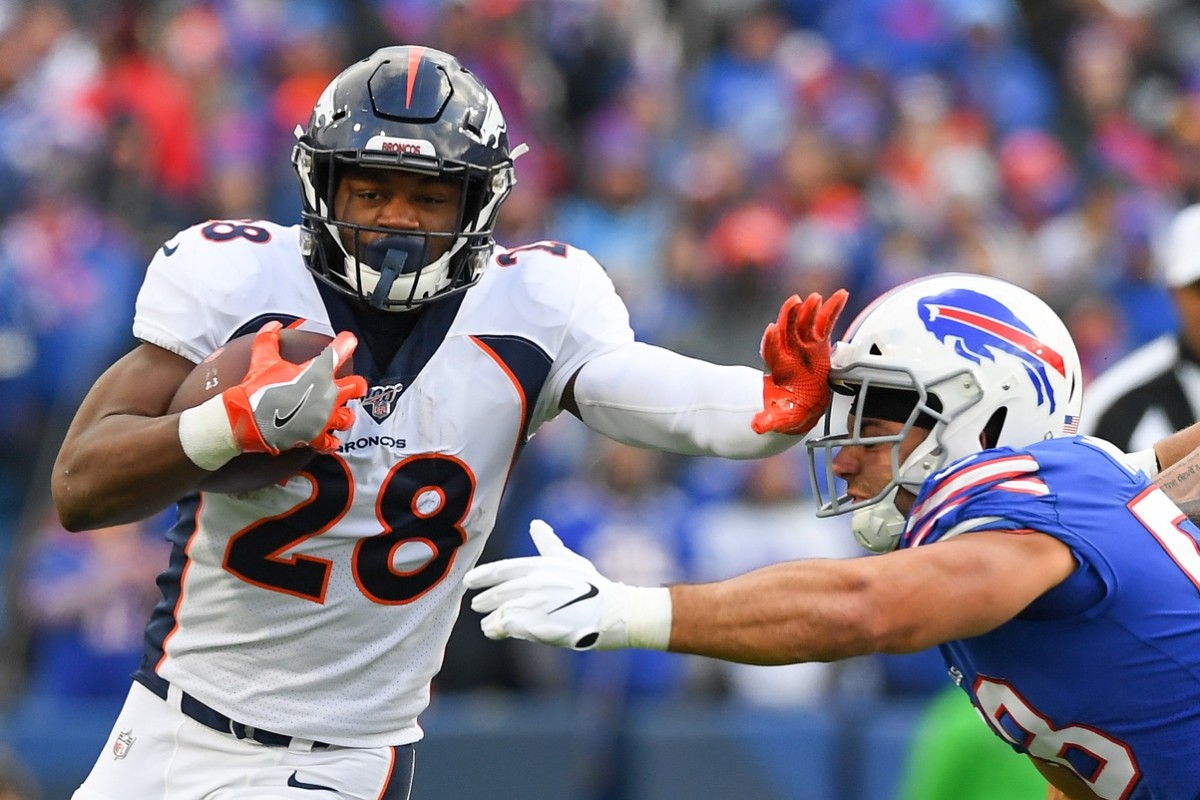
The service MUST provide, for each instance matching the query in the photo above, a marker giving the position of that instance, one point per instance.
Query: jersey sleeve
(198, 290)
(1049, 489)
(593, 321)
(999, 490)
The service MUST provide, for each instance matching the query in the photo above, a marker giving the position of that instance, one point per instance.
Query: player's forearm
(1178, 446)
(1181, 482)
(782, 614)
(651, 397)
(900, 602)
(121, 469)
(1179, 458)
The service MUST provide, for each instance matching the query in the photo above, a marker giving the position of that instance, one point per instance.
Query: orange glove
(795, 349)
(280, 405)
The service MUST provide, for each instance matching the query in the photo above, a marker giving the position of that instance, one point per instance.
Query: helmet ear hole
(473, 200)
(995, 424)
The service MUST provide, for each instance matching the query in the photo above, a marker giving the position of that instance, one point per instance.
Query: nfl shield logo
(121, 746)
(381, 400)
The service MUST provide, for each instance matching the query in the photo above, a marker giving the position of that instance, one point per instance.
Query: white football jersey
(320, 608)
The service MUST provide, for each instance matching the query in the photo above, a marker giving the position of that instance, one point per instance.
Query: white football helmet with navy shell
(409, 108)
(969, 353)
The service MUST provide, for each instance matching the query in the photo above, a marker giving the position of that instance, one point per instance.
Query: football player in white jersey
(301, 624)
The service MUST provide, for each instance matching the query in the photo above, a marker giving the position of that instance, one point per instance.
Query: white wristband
(1145, 460)
(207, 436)
(648, 625)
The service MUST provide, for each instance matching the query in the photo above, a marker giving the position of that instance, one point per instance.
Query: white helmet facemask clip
(878, 526)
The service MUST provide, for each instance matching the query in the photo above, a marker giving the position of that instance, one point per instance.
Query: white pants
(155, 752)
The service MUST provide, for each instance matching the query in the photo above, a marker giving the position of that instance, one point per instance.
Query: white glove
(559, 598)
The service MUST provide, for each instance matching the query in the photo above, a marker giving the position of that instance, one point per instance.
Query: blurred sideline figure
(16, 781)
(1156, 389)
(87, 598)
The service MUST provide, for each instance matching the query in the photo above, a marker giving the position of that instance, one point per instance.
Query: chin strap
(389, 256)
(878, 527)
(393, 265)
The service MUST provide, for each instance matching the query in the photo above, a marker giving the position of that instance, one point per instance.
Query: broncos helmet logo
(981, 326)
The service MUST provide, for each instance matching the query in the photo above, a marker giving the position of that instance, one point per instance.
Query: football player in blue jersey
(302, 620)
(1061, 584)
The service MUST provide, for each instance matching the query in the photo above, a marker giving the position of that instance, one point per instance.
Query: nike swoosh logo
(296, 783)
(280, 421)
(591, 592)
(169, 249)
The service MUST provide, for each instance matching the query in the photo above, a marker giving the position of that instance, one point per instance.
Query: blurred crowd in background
(715, 155)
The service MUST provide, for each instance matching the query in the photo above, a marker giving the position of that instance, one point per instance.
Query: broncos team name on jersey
(1101, 674)
(333, 599)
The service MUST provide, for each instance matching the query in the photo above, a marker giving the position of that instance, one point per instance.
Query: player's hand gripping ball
(225, 369)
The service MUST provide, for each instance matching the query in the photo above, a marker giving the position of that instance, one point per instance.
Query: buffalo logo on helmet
(981, 326)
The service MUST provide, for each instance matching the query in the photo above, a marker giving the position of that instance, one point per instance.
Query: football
(225, 368)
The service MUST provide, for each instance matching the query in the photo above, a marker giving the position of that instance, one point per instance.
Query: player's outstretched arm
(648, 396)
(124, 457)
(811, 610)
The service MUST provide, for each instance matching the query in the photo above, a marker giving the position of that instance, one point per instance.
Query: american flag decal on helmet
(1070, 425)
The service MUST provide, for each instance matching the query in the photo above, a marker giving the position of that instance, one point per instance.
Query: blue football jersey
(1102, 673)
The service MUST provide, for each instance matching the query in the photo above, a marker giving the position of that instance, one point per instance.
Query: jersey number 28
(421, 504)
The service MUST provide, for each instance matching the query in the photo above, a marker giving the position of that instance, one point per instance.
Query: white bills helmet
(973, 359)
